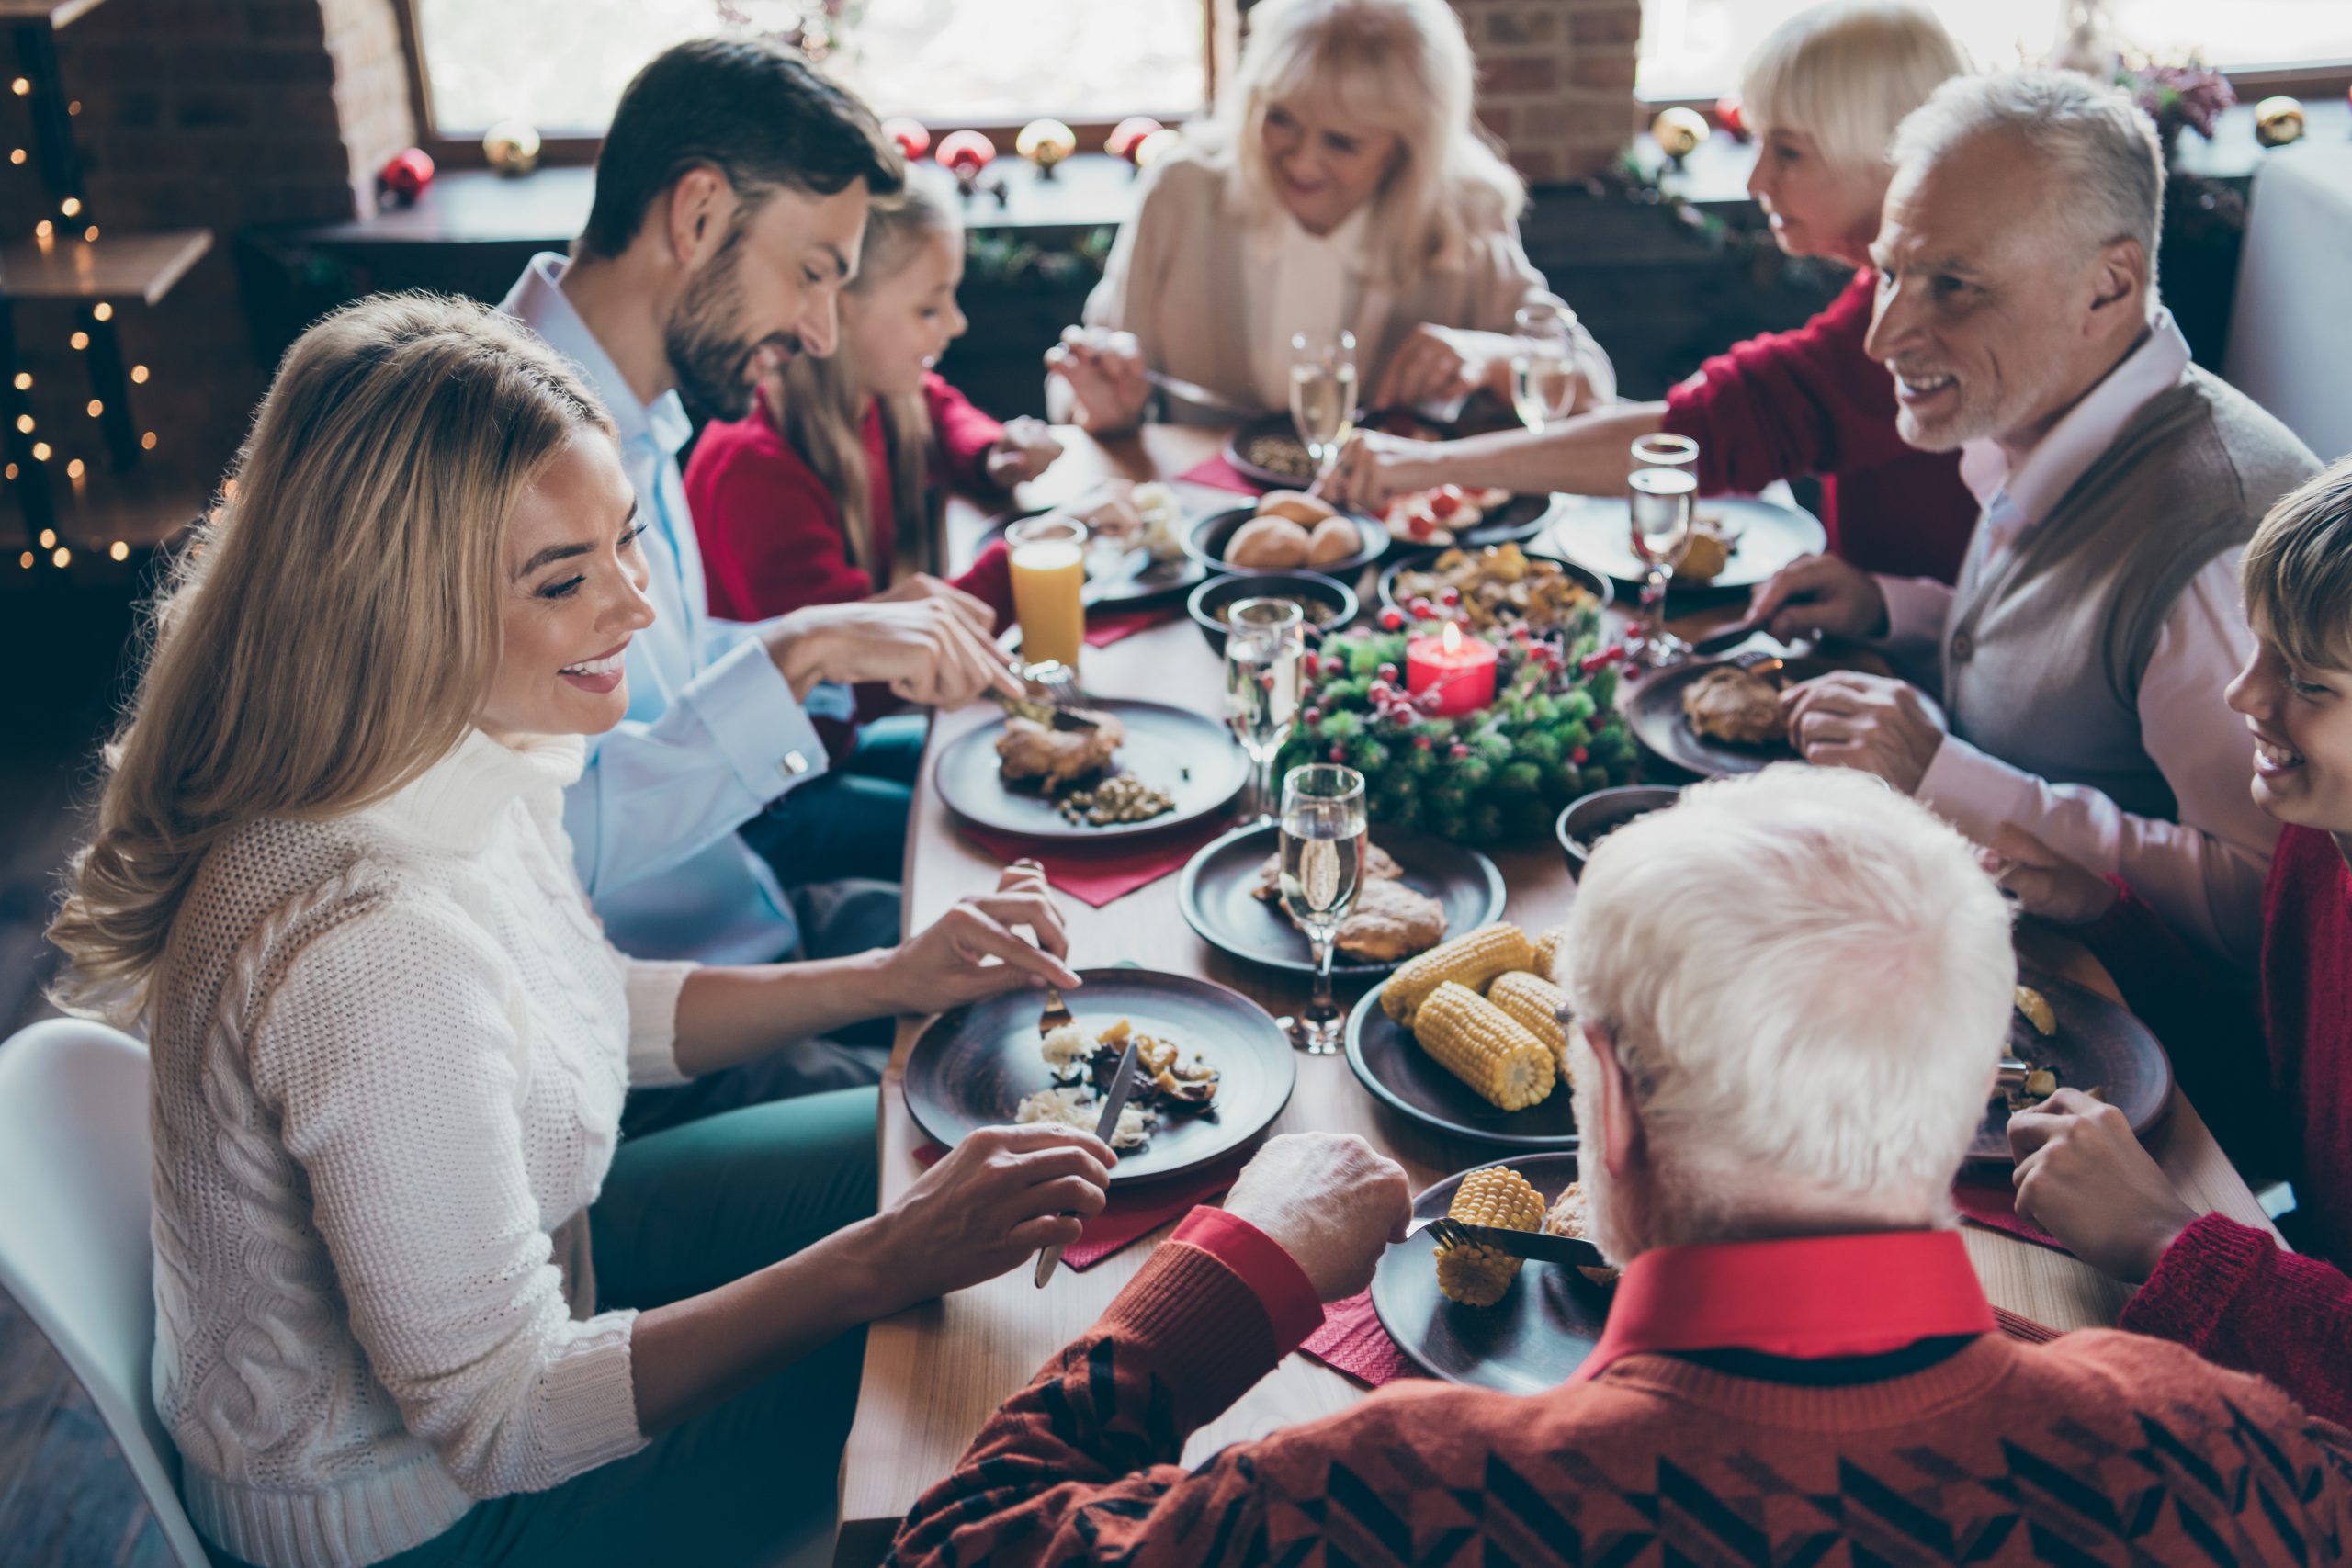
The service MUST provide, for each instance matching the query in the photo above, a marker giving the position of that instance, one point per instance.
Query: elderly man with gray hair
(1799, 1355)
(2082, 657)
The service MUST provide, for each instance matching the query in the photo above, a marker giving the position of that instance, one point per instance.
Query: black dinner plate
(1127, 581)
(1218, 898)
(2099, 1044)
(971, 1067)
(1391, 1063)
(1419, 559)
(1529, 1342)
(1520, 517)
(1653, 707)
(1205, 539)
(1192, 757)
(1595, 531)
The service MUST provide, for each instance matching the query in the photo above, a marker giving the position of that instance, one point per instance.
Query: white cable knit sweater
(390, 1052)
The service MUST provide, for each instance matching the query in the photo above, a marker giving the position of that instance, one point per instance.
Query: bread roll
(1297, 505)
(1271, 542)
(1334, 539)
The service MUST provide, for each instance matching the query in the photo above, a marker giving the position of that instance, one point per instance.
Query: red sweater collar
(1808, 1297)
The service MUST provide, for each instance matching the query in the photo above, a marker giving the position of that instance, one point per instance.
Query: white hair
(1845, 74)
(1396, 66)
(1808, 978)
(2099, 159)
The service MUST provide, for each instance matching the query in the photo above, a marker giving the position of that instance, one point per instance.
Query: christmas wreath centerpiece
(1465, 765)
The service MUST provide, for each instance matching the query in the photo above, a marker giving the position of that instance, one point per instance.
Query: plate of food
(1157, 567)
(1737, 541)
(1108, 770)
(1415, 889)
(1720, 716)
(1475, 1315)
(1286, 530)
(2071, 1037)
(1495, 586)
(1213, 1071)
(1267, 451)
(1466, 1039)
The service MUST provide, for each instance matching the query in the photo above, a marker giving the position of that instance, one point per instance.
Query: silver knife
(1543, 1246)
(1122, 1083)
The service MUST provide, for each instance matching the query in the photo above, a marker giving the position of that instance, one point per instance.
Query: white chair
(73, 1245)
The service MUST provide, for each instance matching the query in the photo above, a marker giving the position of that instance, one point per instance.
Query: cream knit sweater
(390, 1052)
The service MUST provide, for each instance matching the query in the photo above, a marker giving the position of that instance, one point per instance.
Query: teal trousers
(754, 1480)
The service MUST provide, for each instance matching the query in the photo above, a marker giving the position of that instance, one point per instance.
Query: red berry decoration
(1391, 619)
(1450, 597)
(1389, 673)
(1578, 755)
(1423, 610)
(1423, 742)
(1457, 751)
(1338, 753)
(1314, 716)
(1382, 691)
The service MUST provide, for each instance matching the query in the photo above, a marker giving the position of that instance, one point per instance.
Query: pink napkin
(1134, 1212)
(1994, 1206)
(1351, 1340)
(1115, 625)
(2017, 1325)
(1098, 876)
(1218, 474)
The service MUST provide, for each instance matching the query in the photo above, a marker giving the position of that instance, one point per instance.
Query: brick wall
(1555, 80)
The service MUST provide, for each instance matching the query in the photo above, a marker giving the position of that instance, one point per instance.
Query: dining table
(935, 1372)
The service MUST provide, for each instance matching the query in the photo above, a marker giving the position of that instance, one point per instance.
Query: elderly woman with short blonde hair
(1343, 185)
(1823, 95)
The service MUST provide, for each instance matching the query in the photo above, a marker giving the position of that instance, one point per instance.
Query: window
(559, 65)
(1693, 49)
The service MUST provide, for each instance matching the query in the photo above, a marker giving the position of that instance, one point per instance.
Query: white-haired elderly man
(1798, 1356)
(2082, 657)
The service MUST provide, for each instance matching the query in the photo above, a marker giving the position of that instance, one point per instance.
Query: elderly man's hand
(2045, 882)
(2084, 1178)
(1373, 467)
(1874, 723)
(1819, 596)
(1332, 1203)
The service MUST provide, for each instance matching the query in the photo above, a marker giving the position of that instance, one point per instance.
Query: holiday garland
(1502, 773)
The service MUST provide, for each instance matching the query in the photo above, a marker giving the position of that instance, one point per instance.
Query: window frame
(2318, 79)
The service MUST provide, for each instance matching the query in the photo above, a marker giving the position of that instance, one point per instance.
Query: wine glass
(1664, 488)
(1265, 650)
(1323, 844)
(1543, 368)
(1323, 393)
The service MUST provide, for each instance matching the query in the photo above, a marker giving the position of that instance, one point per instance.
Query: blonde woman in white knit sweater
(414, 1303)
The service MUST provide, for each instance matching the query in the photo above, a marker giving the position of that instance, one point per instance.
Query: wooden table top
(934, 1373)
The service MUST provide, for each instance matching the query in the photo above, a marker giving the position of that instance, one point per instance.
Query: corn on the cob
(2036, 1008)
(1496, 1196)
(1546, 949)
(1478, 1043)
(1571, 1216)
(1535, 1003)
(1473, 960)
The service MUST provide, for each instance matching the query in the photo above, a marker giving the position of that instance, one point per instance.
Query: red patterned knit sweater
(2098, 1447)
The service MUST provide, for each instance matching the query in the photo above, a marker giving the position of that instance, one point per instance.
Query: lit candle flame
(1452, 638)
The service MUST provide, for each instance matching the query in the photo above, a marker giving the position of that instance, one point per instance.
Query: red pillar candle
(1460, 669)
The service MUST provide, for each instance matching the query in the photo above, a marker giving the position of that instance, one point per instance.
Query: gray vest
(2044, 652)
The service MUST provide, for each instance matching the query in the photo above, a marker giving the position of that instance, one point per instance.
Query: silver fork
(1056, 1015)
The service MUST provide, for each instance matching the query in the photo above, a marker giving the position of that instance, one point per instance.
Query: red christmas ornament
(1128, 135)
(406, 175)
(912, 137)
(962, 150)
(1728, 116)
(1391, 619)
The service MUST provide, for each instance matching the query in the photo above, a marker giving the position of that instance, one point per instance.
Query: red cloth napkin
(1114, 625)
(1351, 1340)
(1218, 474)
(1994, 1206)
(1098, 876)
(1134, 1212)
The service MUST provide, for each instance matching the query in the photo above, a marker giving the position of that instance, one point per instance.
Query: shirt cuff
(1916, 608)
(1272, 1274)
(653, 988)
(831, 699)
(2196, 1281)
(1976, 792)
(746, 707)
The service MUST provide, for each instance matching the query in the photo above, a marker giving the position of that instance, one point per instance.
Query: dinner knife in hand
(1122, 1083)
(1542, 1247)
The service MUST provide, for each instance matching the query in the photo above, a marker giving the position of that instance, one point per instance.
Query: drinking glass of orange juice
(1049, 559)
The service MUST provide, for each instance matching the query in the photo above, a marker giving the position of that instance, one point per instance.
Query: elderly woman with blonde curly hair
(416, 1301)
(1343, 185)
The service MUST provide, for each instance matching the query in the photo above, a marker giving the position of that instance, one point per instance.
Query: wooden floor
(66, 1497)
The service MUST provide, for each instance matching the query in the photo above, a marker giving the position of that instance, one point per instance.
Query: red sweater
(2095, 1447)
(2223, 1289)
(1810, 402)
(771, 531)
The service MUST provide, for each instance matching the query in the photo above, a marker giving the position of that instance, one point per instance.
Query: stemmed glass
(1265, 650)
(1323, 842)
(1664, 487)
(1543, 368)
(1323, 393)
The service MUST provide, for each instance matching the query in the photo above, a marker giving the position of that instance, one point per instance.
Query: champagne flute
(1265, 650)
(1323, 844)
(1323, 393)
(1543, 368)
(1664, 488)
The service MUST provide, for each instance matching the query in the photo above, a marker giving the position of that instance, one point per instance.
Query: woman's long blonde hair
(1399, 65)
(824, 401)
(334, 629)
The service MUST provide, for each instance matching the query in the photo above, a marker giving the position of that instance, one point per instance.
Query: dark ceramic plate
(1520, 517)
(1127, 581)
(1599, 587)
(1653, 708)
(1391, 1063)
(2099, 1044)
(1530, 1342)
(1206, 537)
(972, 1066)
(1190, 756)
(1218, 898)
(1594, 531)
